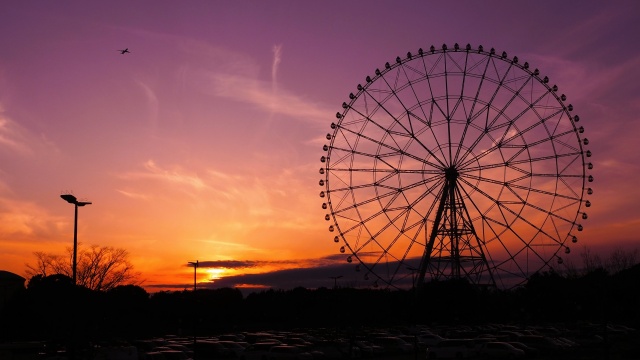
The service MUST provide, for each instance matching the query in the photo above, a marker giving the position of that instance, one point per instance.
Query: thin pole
(195, 339)
(195, 268)
(75, 243)
(195, 320)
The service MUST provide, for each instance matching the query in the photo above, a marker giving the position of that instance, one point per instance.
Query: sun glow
(216, 273)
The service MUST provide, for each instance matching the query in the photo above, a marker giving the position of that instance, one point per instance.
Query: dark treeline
(52, 308)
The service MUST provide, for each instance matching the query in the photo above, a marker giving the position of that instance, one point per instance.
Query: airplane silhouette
(125, 51)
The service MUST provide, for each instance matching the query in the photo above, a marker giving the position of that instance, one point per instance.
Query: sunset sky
(203, 143)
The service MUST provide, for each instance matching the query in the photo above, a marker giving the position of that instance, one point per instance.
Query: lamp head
(69, 198)
(73, 200)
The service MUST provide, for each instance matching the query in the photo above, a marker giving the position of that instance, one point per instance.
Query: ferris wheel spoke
(514, 96)
(570, 188)
(364, 170)
(511, 163)
(448, 114)
(374, 236)
(428, 123)
(521, 148)
(370, 120)
(342, 199)
(395, 150)
(512, 184)
(508, 125)
(436, 180)
(350, 188)
(533, 107)
(391, 171)
(340, 161)
(421, 225)
(467, 125)
(469, 116)
(462, 162)
(428, 79)
(395, 94)
(432, 130)
(537, 228)
(493, 200)
(358, 135)
(434, 103)
(401, 125)
(518, 215)
(495, 263)
(360, 222)
(425, 193)
(551, 137)
(430, 190)
(488, 105)
(401, 212)
(540, 123)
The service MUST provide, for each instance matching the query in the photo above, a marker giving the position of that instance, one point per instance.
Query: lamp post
(414, 272)
(72, 200)
(335, 281)
(195, 339)
(195, 267)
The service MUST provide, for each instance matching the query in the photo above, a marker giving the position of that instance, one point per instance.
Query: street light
(72, 200)
(195, 267)
(414, 273)
(335, 280)
(195, 339)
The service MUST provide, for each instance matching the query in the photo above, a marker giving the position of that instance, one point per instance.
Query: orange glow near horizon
(215, 274)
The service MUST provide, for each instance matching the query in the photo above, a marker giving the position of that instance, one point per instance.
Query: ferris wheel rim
(349, 190)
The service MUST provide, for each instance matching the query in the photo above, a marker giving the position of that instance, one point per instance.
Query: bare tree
(620, 260)
(98, 268)
(48, 264)
(617, 261)
(571, 270)
(590, 261)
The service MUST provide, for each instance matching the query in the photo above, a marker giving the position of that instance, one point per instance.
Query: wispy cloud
(134, 195)
(175, 176)
(13, 136)
(258, 93)
(20, 141)
(232, 198)
(152, 104)
(236, 76)
(299, 263)
(277, 57)
(26, 220)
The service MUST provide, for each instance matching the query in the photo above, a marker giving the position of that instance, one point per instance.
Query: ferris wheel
(455, 163)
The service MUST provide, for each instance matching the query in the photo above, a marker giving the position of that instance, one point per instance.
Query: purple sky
(204, 141)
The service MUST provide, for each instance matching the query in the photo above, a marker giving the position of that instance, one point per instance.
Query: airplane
(125, 51)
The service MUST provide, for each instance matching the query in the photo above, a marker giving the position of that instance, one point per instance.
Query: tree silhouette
(100, 268)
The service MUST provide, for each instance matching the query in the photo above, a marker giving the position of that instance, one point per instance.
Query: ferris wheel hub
(451, 173)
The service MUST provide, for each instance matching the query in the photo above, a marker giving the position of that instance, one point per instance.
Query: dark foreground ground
(617, 343)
